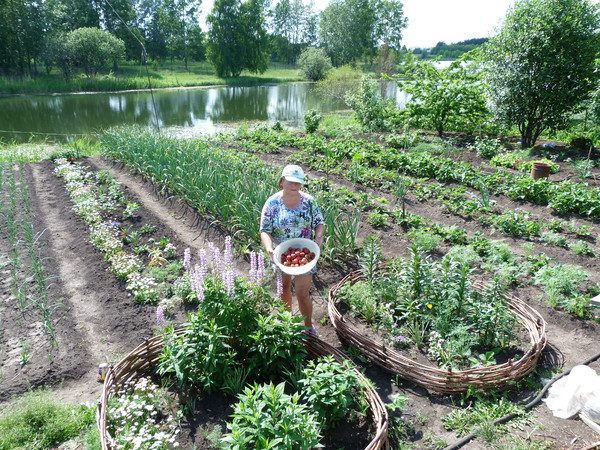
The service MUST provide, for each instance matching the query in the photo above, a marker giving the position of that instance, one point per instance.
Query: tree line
(65, 34)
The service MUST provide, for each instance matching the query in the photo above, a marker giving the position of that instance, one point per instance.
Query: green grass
(37, 421)
(37, 151)
(133, 76)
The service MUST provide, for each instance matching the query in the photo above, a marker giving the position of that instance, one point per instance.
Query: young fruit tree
(542, 64)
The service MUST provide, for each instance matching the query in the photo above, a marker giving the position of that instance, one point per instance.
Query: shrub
(330, 388)
(371, 110)
(312, 119)
(266, 417)
(314, 63)
(486, 147)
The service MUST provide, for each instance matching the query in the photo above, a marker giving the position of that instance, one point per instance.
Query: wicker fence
(444, 381)
(143, 358)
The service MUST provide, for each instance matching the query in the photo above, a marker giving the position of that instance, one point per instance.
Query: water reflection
(198, 110)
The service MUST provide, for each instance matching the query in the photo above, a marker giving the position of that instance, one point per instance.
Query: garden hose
(529, 405)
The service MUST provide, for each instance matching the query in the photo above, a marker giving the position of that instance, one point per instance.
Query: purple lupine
(228, 253)
(253, 266)
(279, 279)
(187, 259)
(228, 278)
(197, 279)
(261, 270)
(203, 262)
(400, 338)
(160, 315)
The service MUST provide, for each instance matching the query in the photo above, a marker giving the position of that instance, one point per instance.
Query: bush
(266, 417)
(330, 388)
(486, 147)
(371, 110)
(314, 63)
(312, 119)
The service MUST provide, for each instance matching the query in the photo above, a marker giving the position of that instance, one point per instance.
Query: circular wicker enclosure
(432, 378)
(145, 356)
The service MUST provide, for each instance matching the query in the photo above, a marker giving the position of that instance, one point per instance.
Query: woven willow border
(432, 378)
(141, 360)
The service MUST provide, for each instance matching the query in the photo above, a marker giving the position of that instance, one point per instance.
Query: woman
(292, 213)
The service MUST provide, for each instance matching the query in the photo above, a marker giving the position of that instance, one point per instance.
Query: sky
(449, 21)
(432, 21)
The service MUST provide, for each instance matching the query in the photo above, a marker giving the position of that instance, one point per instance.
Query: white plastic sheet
(578, 392)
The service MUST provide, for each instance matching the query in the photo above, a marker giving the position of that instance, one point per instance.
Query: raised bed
(143, 358)
(432, 378)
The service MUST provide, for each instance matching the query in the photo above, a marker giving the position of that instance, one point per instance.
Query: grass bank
(133, 76)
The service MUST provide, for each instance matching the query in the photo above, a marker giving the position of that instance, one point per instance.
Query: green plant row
(564, 197)
(29, 281)
(227, 187)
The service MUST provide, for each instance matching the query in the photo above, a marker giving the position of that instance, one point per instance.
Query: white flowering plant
(139, 417)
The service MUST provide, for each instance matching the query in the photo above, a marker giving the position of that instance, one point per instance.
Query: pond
(188, 112)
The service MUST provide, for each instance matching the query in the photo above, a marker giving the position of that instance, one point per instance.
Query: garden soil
(96, 321)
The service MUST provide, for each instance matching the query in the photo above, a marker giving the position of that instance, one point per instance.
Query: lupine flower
(399, 338)
(228, 253)
(196, 279)
(228, 278)
(160, 315)
(261, 270)
(253, 266)
(187, 259)
(203, 267)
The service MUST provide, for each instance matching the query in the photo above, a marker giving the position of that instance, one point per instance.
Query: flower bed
(143, 358)
(495, 376)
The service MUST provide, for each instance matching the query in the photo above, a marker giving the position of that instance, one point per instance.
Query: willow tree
(541, 65)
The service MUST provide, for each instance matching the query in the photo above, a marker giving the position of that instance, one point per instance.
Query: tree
(444, 99)
(541, 64)
(390, 23)
(237, 38)
(292, 25)
(347, 30)
(314, 63)
(93, 49)
(178, 19)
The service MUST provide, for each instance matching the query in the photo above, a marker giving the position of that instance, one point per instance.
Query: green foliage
(346, 30)
(445, 99)
(314, 63)
(486, 147)
(312, 119)
(526, 75)
(237, 38)
(330, 388)
(37, 421)
(433, 306)
(266, 417)
(94, 50)
(371, 110)
(560, 281)
(275, 345)
(464, 421)
(424, 239)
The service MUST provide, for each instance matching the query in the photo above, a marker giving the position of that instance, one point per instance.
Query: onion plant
(25, 252)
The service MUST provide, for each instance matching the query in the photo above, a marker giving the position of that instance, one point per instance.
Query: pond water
(183, 111)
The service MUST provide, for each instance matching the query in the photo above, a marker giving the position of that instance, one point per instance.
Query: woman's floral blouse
(283, 223)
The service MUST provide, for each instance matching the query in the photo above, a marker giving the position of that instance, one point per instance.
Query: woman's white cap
(293, 173)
